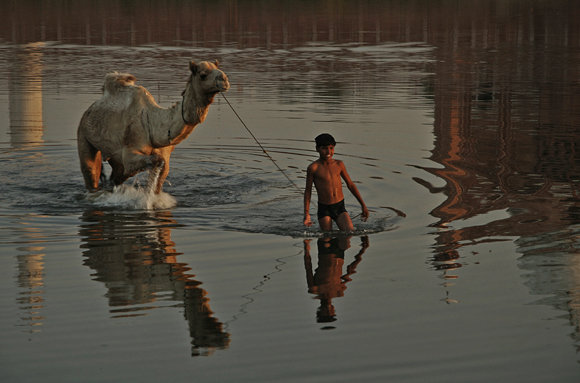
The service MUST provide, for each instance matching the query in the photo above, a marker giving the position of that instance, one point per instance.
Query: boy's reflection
(134, 256)
(328, 280)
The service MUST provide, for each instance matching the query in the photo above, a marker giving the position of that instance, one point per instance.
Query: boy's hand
(365, 214)
(307, 220)
(364, 242)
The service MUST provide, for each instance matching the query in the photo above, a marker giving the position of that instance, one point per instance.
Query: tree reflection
(134, 256)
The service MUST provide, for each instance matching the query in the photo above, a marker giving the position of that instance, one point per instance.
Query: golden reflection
(25, 97)
(135, 258)
(31, 272)
(30, 279)
(328, 280)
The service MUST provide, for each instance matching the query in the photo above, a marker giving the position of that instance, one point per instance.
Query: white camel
(127, 128)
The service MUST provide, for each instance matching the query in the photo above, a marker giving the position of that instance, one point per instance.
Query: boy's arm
(308, 195)
(354, 190)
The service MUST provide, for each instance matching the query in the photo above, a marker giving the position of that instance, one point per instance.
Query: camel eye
(202, 76)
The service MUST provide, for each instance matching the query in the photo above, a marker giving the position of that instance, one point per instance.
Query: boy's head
(324, 139)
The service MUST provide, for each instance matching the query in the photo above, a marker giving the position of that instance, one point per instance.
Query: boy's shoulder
(314, 165)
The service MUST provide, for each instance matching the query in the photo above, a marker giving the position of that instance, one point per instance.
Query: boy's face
(326, 151)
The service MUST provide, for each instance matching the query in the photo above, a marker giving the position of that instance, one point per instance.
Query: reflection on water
(328, 280)
(553, 264)
(30, 240)
(25, 95)
(501, 79)
(135, 258)
(30, 280)
(506, 116)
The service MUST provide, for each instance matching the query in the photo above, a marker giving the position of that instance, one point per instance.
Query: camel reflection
(134, 256)
(328, 281)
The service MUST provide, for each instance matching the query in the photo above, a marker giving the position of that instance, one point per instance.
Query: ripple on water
(224, 185)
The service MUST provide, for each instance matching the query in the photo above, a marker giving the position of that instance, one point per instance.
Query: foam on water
(134, 197)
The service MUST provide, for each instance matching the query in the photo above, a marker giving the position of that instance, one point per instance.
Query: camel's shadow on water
(133, 255)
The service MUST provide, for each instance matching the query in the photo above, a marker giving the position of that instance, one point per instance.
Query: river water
(458, 121)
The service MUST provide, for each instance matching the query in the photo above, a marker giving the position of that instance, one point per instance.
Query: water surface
(457, 122)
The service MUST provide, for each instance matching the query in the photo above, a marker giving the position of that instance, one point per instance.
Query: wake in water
(379, 221)
(134, 197)
(283, 217)
(221, 200)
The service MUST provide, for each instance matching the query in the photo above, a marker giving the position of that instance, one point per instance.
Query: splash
(135, 197)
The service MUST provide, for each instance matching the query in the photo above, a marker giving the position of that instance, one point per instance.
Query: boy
(325, 173)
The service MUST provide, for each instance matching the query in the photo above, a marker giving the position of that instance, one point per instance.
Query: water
(457, 122)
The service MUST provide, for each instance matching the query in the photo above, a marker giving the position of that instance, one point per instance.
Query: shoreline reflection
(327, 281)
(25, 97)
(134, 257)
(506, 150)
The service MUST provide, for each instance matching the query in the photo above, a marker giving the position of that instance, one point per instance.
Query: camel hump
(116, 81)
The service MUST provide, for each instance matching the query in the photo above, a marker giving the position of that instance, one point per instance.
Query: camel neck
(194, 109)
(172, 125)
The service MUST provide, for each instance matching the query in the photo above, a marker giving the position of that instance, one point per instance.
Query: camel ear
(216, 63)
(192, 66)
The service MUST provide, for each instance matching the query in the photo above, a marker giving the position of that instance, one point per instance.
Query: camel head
(207, 79)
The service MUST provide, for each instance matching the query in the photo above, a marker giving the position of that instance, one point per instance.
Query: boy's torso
(328, 182)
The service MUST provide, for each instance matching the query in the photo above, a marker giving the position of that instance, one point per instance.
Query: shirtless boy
(326, 173)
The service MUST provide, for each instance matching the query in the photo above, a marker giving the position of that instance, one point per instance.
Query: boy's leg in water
(325, 223)
(344, 222)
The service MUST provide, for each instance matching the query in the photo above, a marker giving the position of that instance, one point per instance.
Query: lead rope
(260, 145)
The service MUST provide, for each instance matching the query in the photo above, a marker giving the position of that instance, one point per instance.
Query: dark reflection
(134, 256)
(507, 111)
(25, 97)
(328, 280)
(446, 259)
(552, 264)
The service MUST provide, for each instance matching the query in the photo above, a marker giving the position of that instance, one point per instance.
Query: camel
(129, 130)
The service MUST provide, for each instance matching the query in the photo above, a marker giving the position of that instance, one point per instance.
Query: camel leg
(118, 175)
(165, 153)
(135, 162)
(91, 163)
(162, 176)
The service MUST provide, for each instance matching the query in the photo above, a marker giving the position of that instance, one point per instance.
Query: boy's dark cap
(325, 139)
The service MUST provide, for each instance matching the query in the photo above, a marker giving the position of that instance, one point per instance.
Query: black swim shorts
(332, 211)
(330, 246)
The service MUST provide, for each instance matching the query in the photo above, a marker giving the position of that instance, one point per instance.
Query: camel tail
(115, 81)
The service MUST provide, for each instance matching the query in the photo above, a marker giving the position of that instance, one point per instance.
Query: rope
(260, 145)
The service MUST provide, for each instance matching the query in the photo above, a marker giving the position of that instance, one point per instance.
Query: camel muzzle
(221, 82)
